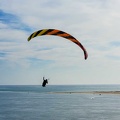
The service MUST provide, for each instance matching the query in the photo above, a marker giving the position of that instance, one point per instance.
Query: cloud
(94, 23)
(7, 18)
(12, 21)
(115, 43)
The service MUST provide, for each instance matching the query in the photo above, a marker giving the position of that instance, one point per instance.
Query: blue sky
(95, 23)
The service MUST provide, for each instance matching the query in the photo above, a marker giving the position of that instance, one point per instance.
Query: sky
(95, 23)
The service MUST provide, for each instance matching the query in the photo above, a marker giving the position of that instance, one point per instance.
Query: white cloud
(94, 23)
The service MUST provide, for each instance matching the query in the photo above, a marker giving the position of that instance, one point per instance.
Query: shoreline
(87, 92)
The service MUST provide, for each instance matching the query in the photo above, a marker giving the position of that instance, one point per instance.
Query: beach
(88, 92)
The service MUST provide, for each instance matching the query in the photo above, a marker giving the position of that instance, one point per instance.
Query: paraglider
(45, 81)
(61, 34)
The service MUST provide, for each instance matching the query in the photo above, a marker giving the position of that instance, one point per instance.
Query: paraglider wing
(61, 34)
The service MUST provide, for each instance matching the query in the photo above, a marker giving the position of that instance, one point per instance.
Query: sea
(59, 102)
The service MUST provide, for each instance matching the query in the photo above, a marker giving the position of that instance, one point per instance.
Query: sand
(87, 92)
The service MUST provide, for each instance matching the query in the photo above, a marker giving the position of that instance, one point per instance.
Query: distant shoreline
(87, 92)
